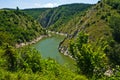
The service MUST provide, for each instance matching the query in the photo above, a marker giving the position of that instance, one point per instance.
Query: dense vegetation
(26, 63)
(17, 27)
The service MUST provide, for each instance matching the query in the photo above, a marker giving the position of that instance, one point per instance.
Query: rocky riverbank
(32, 42)
(39, 38)
(64, 49)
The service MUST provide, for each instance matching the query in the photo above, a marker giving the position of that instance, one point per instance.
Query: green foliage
(24, 59)
(30, 60)
(90, 60)
(5, 37)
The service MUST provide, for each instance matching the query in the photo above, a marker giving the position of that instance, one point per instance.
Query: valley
(76, 41)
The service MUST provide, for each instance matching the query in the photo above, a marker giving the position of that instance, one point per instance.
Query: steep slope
(96, 22)
(57, 18)
(17, 27)
(35, 12)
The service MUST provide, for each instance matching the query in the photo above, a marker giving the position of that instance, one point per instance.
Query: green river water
(48, 47)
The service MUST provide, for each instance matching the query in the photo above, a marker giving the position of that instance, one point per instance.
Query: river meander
(48, 47)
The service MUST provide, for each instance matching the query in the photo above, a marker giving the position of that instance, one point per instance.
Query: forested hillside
(95, 43)
(97, 22)
(58, 18)
(17, 27)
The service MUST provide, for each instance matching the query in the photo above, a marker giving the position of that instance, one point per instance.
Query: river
(48, 47)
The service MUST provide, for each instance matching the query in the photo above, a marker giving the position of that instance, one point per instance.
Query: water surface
(48, 48)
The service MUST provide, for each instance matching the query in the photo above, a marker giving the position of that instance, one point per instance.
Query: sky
(22, 4)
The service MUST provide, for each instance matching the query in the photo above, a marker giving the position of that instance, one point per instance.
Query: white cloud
(50, 5)
(37, 5)
(47, 5)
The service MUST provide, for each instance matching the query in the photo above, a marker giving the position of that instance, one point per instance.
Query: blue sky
(22, 4)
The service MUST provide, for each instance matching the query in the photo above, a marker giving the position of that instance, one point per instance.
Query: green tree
(17, 8)
(10, 58)
(90, 58)
(30, 60)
